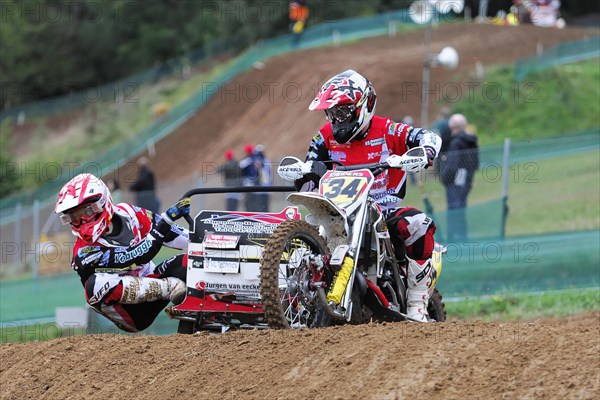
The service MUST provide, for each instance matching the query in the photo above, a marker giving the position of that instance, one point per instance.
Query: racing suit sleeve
(177, 238)
(93, 259)
(317, 151)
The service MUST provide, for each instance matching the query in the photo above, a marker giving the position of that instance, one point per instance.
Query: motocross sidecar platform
(223, 270)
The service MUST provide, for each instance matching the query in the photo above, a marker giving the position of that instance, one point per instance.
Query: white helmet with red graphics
(85, 203)
(348, 100)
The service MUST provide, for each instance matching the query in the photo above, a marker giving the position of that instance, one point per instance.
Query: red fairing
(209, 304)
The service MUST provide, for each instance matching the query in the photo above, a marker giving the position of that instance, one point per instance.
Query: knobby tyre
(286, 273)
(436, 307)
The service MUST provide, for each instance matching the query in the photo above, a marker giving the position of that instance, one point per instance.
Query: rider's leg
(174, 267)
(141, 290)
(126, 301)
(416, 230)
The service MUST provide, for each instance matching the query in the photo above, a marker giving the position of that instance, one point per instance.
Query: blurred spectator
(512, 18)
(298, 16)
(115, 190)
(250, 177)
(143, 187)
(441, 128)
(500, 18)
(265, 177)
(457, 171)
(232, 176)
(160, 109)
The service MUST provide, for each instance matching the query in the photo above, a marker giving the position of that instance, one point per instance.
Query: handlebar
(239, 189)
(375, 168)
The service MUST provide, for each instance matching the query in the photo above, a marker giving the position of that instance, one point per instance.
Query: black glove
(88, 259)
(177, 210)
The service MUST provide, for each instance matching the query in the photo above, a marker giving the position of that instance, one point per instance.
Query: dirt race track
(542, 359)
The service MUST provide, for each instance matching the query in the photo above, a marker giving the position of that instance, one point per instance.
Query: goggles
(339, 114)
(82, 214)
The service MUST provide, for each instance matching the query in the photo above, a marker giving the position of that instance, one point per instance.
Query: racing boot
(141, 290)
(419, 280)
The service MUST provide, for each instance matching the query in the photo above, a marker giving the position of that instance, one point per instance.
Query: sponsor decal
(334, 144)
(220, 266)
(392, 128)
(88, 249)
(91, 258)
(379, 196)
(217, 241)
(318, 138)
(291, 213)
(371, 156)
(257, 227)
(101, 292)
(337, 155)
(128, 255)
(375, 142)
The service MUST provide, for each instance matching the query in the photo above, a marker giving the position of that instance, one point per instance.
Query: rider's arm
(317, 151)
(92, 259)
(177, 238)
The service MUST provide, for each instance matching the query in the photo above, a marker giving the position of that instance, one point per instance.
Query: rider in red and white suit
(355, 135)
(114, 249)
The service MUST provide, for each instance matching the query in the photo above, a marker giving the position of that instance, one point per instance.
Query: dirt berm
(543, 359)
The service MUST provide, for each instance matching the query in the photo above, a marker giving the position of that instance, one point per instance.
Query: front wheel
(292, 263)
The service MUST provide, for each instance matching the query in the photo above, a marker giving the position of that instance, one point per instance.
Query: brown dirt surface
(542, 359)
(270, 106)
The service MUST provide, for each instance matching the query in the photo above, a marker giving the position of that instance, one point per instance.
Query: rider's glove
(177, 210)
(88, 259)
(430, 156)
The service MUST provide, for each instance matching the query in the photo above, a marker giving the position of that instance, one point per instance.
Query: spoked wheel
(291, 264)
(436, 307)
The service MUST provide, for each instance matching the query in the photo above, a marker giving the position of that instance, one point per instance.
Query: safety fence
(34, 242)
(328, 33)
(560, 54)
(470, 269)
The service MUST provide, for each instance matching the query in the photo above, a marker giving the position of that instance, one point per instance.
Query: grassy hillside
(548, 103)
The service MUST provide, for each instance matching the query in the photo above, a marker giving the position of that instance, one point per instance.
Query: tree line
(51, 47)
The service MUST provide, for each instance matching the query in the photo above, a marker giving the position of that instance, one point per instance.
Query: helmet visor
(340, 114)
(81, 215)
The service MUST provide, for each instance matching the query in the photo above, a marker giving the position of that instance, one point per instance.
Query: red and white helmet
(85, 203)
(349, 102)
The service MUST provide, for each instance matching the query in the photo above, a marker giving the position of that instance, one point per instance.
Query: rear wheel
(436, 307)
(292, 262)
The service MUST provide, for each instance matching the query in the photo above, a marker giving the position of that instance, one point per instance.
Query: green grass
(544, 104)
(518, 306)
(103, 124)
(553, 195)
